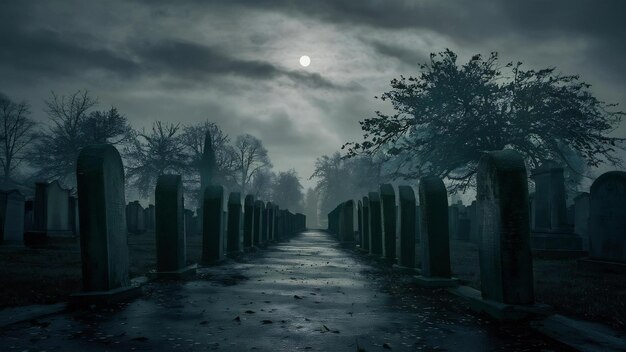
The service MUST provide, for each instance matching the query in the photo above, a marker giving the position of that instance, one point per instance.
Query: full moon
(305, 61)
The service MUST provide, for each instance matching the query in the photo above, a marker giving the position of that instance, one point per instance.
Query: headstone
(73, 215)
(248, 221)
(213, 225)
(11, 217)
(103, 240)
(406, 227)
(359, 219)
(135, 217)
(471, 214)
(258, 222)
(581, 218)
(435, 240)
(347, 221)
(365, 240)
(28, 215)
(208, 168)
(551, 231)
(270, 221)
(170, 227)
(190, 223)
(149, 218)
(388, 218)
(453, 221)
(265, 223)
(235, 222)
(607, 220)
(376, 230)
(52, 210)
(506, 268)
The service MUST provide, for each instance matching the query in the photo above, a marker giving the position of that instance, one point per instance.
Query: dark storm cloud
(406, 55)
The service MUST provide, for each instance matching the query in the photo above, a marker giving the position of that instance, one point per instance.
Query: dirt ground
(43, 276)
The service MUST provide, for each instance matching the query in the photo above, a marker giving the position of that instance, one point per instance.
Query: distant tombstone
(347, 221)
(506, 268)
(388, 219)
(28, 215)
(134, 217)
(359, 219)
(190, 223)
(551, 231)
(11, 217)
(607, 220)
(376, 230)
(248, 221)
(581, 218)
(149, 218)
(169, 231)
(471, 215)
(235, 222)
(275, 217)
(73, 215)
(213, 225)
(435, 240)
(258, 222)
(270, 221)
(365, 239)
(265, 225)
(208, 168)
(406, 227)
(103, 240)
(52, 210)
(453, 221)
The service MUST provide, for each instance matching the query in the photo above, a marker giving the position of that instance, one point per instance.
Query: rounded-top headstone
(249, 201)
(434, 227)
(502, 199)
(234, 198)
(607, 218)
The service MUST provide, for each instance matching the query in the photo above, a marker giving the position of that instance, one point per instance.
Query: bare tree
(16, 134)
(157, 152)
(250, 157)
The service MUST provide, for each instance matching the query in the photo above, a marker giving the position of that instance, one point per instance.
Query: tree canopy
(448, 115)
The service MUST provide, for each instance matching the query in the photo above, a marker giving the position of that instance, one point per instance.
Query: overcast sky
(236, 62)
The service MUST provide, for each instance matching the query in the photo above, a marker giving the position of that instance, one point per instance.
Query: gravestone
(406, 227)
(275, 233)
(190, 223)
(213, 225)
(581, 218)
(103, 240)
(607, 224)
(388, 218)
(265, 223)
(171, 253)
(270, 221)
(28, 215)
(365, 241)
(135, 217)
(347, 221)
(375, 221)
(453, 221)
(248, 221)
(471, 214)
(52, 210)
(506, 268)
(235, 222)
(148, 216)
(258, 222)
(435, 240)
(73, 215)
(208, 168)
(11, 217)
(551, 233)
(359, 217)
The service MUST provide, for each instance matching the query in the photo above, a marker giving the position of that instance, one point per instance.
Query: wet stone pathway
(307, 294)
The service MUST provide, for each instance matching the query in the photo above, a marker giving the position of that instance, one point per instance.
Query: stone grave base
(188, 272)
(601, 266)
(103, 298)
(436, 282)
(499, 311)
(558, 253)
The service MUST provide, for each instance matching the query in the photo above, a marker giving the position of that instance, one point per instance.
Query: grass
(49, 275)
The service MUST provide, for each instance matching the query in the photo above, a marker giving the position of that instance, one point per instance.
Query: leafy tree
(250, 157)
(16, 134)
(153, 153)
(261, 185)
(446, 117)
(71, 126)
(287, 191)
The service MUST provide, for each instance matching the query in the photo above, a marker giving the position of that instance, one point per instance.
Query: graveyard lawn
(49, 275)
(600, 298)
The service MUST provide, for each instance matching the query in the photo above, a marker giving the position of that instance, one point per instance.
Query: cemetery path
(306, 294)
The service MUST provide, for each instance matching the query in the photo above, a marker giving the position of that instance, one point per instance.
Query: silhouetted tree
(311, 200)
(287, 191)
(249, 158)
(70, 127)
(449, 115)
(153, 153)
(16, 134)
(261, 185)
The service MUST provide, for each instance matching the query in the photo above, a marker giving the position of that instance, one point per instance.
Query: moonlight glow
(305, 61)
